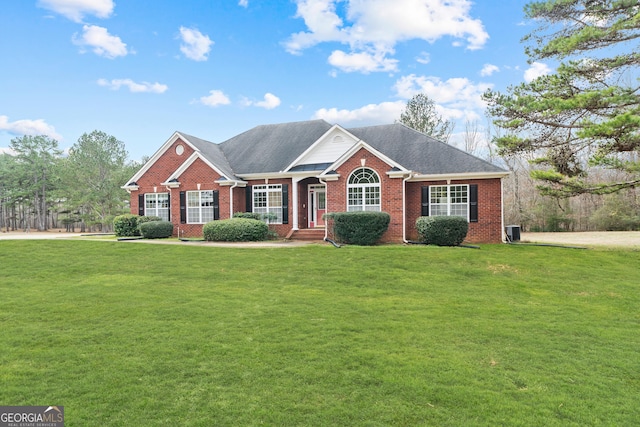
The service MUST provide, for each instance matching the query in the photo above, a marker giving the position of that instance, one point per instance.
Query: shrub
(250, 215)
(145, 218)
(442, 230)
(359, 228)
(235, 230)
(156, 229)
(126, 225)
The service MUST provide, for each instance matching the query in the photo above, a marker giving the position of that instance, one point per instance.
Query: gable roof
(213, 153)
(420, 153)
(273, 149)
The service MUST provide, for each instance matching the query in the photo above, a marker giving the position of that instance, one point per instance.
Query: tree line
(572, 137)
(41, 188)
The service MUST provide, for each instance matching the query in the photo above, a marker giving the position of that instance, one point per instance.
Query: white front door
(317, 205)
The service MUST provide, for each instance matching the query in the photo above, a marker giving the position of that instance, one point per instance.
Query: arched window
(363, 190)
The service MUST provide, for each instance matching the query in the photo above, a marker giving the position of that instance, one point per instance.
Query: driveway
(586, 238)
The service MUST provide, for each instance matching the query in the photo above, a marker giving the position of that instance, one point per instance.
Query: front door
(317, 205)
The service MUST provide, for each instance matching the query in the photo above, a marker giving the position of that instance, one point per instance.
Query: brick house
(298, 171)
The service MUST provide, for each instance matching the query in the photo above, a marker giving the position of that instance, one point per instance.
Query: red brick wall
(281, 229)
(198, 172)
(488, 229)
(390, 191)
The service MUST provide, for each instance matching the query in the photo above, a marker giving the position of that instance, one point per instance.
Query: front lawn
(130, 334)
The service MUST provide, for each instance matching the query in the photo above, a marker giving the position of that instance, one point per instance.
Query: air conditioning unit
(513, 233)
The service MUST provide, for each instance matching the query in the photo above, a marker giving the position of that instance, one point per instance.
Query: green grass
(125, 334)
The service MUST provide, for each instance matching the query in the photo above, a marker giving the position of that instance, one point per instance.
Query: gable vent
(338, 138)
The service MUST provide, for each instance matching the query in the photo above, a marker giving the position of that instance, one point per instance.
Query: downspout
(235, 184)
(404, 207)
(170, 206)
(326, 227)
(326, 201)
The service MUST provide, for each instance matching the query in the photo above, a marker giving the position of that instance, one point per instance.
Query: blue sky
(140, 70)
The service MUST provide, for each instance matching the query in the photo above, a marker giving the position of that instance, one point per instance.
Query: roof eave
(458, 176)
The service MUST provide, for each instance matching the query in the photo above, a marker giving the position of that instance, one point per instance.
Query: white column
(294, 201)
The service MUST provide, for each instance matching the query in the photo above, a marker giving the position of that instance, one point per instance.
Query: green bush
(359, 228)
(145, 218)
(126, 225)
(442, 230)
(250, 215)
(235, 230)
(156, 229)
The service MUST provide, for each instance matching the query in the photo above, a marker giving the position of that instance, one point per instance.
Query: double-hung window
(199, 206)
(157, 204)
(363, 191)
(449, 200)
(267, 200)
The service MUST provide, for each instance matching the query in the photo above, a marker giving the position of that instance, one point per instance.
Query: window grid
(157, 204)
(449, 200)
(363, 191)
(267, 199)
(199, 206)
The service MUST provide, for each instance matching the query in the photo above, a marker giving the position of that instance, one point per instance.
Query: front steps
(306, 234)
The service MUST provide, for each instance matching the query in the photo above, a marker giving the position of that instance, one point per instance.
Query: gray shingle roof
(421, 153)
(213, 153)
(271, 148)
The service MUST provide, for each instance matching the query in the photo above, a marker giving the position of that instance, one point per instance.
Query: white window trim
(155, 211)
(265, 189)
(448, 204)
(199, 208)
(364, 205)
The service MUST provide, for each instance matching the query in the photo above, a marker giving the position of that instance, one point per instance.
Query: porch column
(294, 201)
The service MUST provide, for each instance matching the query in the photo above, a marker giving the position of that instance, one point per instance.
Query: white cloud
(376, 26)
(363, 62)
(424, 58)
(243, 3)
(455, 99)
(215, 98)
(134, 87)
(489, 69)
(100, 41)
(269, 102)
(457, 92)
(28, 127)
(322, 21)
(75, 10)
(536, 70)
(383, 113)
(195, 45)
